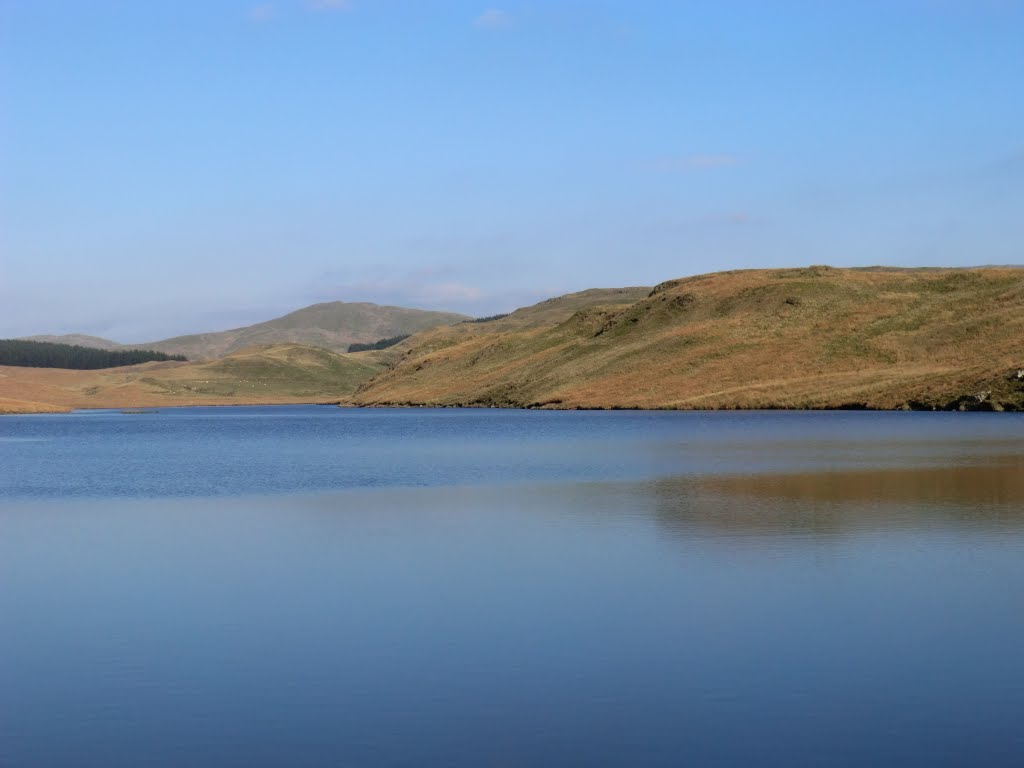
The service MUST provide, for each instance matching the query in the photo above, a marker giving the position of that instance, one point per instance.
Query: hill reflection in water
(985, 493)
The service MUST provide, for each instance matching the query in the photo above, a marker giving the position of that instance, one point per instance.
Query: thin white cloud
(330, 5)
(697, 162)
(456, 292)
(726, 218)
(262, 12)
(710, 161)
(493, 18)
(415, 292)
(431, 288)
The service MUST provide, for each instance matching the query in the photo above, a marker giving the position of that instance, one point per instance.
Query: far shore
(21, 408)
(17, 408)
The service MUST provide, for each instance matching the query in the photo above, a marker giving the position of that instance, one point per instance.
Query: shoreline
(15, 408)
(39, 409)
(847, 407)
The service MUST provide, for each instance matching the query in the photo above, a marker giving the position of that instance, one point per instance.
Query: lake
(317, 586)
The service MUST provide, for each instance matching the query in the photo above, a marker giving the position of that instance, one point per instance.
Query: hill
(78, 340)
(537, 316)
(282, 373)
(796, 338)
(9, 406)
(332, 325)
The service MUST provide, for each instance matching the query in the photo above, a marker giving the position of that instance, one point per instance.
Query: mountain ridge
(332, 325)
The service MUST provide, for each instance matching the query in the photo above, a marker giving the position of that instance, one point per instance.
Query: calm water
(313, 586)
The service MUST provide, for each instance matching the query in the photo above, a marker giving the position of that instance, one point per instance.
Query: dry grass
(284, 373)
(799, 338)
(9, 406)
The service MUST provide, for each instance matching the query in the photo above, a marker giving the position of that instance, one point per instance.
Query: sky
(195, 165)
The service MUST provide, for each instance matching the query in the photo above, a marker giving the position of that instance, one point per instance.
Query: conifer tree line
(487, 319)
(381, 344)
(45, 354)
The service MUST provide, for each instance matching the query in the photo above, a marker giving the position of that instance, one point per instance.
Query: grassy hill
(541, 315)
(333, 325)
(9, 406)
(796, 338)
(282, 373)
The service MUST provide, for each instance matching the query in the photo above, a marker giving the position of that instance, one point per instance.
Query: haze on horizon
(191, 166)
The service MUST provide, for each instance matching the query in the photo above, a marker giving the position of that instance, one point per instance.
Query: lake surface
(315, 586)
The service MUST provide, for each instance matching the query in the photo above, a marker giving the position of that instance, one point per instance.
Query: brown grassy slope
(9, 406)
(331, 325)
(557, 309)
(799, 338)
(537, 316)
(284, 373)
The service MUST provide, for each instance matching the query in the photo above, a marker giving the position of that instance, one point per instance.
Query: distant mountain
(77, 339)
(785, 338)
(332, 325)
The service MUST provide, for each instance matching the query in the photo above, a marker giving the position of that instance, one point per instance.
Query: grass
(282, 373)
(817, 337)
(799, 338)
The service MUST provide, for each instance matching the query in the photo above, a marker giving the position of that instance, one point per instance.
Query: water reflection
(988, 492)
(999, 483)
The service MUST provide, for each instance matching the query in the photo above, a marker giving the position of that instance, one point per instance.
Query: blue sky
(183, 166)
